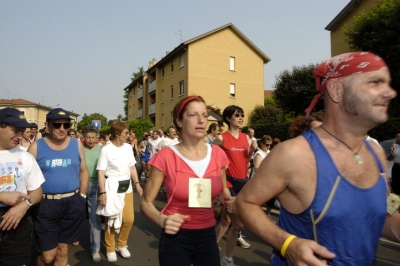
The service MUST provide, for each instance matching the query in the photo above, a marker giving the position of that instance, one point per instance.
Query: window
(172, 92)
(232, 63)
(162, 96)
(172, 66)
(181, 88)
(162, 120)
(181, 60)
(130, 110)
(232, 90)
(162, 73)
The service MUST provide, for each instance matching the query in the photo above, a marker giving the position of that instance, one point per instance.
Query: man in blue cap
(20, 188)
(58, 219)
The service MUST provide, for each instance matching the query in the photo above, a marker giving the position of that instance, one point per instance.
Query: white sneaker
(227, 262)
(123, 251)
(242, 243)
(111, 256)
(96, 257)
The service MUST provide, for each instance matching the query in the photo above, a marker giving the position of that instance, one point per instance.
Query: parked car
(386, 144)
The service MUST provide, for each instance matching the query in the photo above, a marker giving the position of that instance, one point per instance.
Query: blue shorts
(58, 221)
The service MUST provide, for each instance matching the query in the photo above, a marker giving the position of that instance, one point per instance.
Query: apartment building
(34, 112)
(223, 66)
(339, 44)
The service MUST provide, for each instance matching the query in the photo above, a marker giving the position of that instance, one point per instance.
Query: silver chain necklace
(356, 156)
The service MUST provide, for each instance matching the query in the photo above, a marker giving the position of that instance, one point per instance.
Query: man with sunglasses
(20, 188)
(58, 219)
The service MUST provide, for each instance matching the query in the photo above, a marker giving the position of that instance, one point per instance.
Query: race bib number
(199, 193)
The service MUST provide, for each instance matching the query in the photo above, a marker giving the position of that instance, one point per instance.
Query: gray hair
(90, 129)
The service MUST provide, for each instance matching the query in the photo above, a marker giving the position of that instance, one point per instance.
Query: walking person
(117, 165)
(194, 174)
(58, 219)
(92, 152)
(333, 201)
(394, 155)
(19, 190)
(239, 149)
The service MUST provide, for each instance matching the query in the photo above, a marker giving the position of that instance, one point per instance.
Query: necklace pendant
(357, 158)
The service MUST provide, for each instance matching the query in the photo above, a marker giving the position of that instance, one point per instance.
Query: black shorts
(58, 221)
(16, 244)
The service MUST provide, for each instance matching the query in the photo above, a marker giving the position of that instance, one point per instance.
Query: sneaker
(123, 251)
(75, 243)
(111, 256)
(227, 262)
(96, 257)
(242, 243)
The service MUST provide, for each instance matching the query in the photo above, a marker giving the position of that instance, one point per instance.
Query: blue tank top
(60, 168)
(353, 222)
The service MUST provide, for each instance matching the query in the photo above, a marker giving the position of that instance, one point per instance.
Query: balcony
(140, 113)
(140, 94)
(152, 109)
(152, 87)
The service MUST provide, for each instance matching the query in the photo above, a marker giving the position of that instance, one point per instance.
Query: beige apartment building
(339, 44)
(34, 112)
(223, 66)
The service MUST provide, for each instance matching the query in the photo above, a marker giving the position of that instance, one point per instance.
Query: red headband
(189, 99)
(342, 66)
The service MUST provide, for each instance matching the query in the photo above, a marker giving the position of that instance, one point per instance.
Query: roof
(265, 58)
(343, 14)
(22, 102)
(268, 92)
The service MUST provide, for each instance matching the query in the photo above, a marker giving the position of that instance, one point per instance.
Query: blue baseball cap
(57, 113)
(13, 117)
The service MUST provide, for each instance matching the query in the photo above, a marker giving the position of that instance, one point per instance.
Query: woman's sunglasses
(267, 144)
(58, 125)
(239, 114)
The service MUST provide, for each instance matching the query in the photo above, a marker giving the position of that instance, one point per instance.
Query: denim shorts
(58, 221)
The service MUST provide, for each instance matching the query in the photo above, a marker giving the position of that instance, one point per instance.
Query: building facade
(34, 112)
(223, 66)
(339, 44)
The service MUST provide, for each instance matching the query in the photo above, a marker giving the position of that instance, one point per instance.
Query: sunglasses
(267, 144)
(58, 125)
(239, 114)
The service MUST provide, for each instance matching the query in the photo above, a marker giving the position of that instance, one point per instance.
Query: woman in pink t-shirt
(194, 174)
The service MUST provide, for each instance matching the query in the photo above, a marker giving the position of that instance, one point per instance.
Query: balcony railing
(152, 109)
(140, 93)
(152, 87)
(140, 113)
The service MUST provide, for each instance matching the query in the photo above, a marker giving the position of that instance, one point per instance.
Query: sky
(80, 54)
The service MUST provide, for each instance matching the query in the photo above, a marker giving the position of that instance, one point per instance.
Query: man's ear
(335, 90)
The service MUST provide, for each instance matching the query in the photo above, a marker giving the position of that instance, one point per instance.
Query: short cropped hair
(90, 129)
(117, 128)
(229, 111)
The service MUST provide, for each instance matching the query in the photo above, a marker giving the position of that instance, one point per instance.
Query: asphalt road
(143, 245)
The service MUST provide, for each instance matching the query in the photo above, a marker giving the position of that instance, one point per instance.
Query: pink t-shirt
(177, 174)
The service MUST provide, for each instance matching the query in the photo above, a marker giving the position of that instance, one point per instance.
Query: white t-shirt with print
(116, 162)
(19, 171)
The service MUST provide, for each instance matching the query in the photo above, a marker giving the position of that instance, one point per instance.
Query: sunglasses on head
(58, 125)
(239, 114)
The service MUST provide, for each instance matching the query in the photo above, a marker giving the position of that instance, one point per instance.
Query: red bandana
(342, 66)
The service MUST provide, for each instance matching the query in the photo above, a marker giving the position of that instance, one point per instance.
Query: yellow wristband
(286, 244)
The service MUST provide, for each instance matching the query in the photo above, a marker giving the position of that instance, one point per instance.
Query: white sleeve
(34, 178)
(102, 163)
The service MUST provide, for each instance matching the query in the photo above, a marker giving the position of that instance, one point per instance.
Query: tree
(87, 120)
(295, 89)
(378, 31)
(135, 75)
(269, 100)
(139, 126)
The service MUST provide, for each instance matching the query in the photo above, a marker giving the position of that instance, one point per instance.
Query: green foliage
(295, 90)
(262, 114)
(388, 130)
(105, 130)
(378, 31)
(87, 120)
(139, 126)
(110, 122)
(274, 129)
(270, 100)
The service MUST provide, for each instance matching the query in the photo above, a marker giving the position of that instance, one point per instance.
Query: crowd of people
(327, 180)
